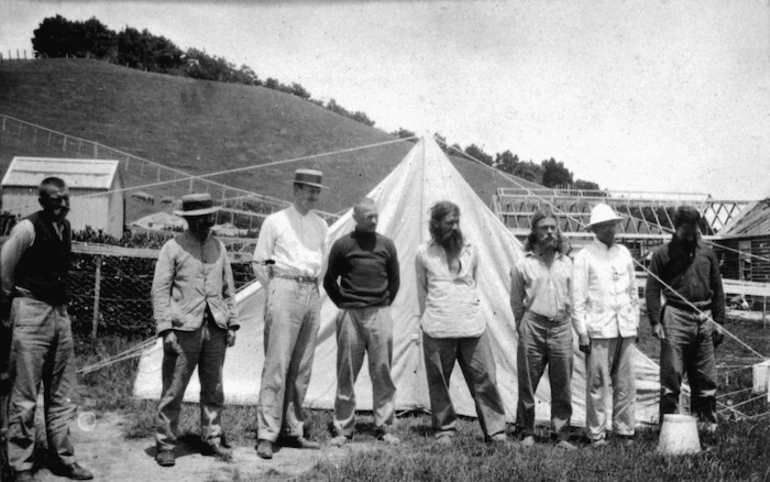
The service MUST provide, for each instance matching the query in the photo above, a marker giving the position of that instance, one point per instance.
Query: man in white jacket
(605, 316)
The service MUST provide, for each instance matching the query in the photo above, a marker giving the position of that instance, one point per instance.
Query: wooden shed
(95, 190)
(747, 239)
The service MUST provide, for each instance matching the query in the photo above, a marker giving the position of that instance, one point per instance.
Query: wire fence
(110, 288)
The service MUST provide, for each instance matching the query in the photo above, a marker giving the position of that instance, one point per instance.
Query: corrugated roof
(77, 173)
(754, 221)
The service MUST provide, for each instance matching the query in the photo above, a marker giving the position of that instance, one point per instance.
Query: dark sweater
(692, 273)
(367, 267)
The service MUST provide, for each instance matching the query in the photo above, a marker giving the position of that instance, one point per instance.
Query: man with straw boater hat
(287, 261)
(193, 300)
(690, 325)
(605, 315)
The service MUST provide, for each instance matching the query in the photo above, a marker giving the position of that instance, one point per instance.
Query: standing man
(690, 325)
(287, 261)
(366, 265)
(540, 288)
(605, 304)
(454, 328)
(35, 264)
(193, 300)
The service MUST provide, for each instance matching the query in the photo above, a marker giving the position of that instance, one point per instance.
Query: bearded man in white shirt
(605, 304)
(287, 261)
(454, 329)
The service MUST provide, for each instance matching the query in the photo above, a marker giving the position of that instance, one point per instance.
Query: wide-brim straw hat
(603, 213)
(197, 205)
(310, 177)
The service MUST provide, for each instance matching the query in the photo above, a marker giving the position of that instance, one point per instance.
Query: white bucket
(678, 435)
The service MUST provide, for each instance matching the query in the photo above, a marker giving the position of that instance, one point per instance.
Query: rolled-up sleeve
(161, 288)
(264, 251)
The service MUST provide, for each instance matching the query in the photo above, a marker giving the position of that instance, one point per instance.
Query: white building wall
(95, 211)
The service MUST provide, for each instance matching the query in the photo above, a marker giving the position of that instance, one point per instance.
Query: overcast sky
(648, 95)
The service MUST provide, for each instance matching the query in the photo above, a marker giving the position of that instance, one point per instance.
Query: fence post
(96, 150)
(97, 291)
(764, 311)
(64, 144)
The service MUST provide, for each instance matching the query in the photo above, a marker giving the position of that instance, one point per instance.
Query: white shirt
(449, 303)
(605, 300)
(295, 242)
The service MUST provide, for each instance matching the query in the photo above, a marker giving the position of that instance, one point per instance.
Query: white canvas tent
(404, 198)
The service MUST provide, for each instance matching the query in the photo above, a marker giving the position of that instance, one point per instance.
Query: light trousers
(610, 379)
(542, 342)
(291, 330)
(364, 331)
(477, 363)
(42, 351)
(688, 348)
(204, 348)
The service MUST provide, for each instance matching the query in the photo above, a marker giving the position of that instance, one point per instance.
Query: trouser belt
(298, 279)
(681, 305)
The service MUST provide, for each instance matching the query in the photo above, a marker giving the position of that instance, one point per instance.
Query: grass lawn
(737, 451)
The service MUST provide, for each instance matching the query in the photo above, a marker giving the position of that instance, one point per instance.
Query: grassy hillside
(203, 127)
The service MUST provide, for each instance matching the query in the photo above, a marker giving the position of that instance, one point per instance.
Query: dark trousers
(688, 348)
(478, 366)
(204, 348)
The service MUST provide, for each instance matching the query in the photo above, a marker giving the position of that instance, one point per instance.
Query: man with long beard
(454, 328)
(690, 325)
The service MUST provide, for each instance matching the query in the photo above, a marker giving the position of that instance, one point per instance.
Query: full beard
(453, 243)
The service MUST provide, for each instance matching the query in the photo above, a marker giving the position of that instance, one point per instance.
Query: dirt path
(112, 457)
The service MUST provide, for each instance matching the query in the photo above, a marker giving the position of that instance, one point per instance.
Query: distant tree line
(59, 37)
(549, 173)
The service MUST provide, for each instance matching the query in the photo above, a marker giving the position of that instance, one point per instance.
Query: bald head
(365, 215)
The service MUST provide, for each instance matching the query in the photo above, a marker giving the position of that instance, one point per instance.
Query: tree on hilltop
(478, 153)
(58, 37)
(506, 161)
(555, 173)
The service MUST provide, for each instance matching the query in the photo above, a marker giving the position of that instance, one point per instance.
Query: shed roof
(753, 221)
(77, 173)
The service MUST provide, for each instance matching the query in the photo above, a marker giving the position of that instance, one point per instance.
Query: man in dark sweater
(690, 325)
(362, 279)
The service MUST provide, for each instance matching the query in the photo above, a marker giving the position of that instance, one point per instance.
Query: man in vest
(287, 261)
(35, 264)
(193, 302)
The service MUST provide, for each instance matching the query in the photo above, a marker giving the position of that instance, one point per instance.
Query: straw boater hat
(602, 213)
(197, 205)
(311, 177)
